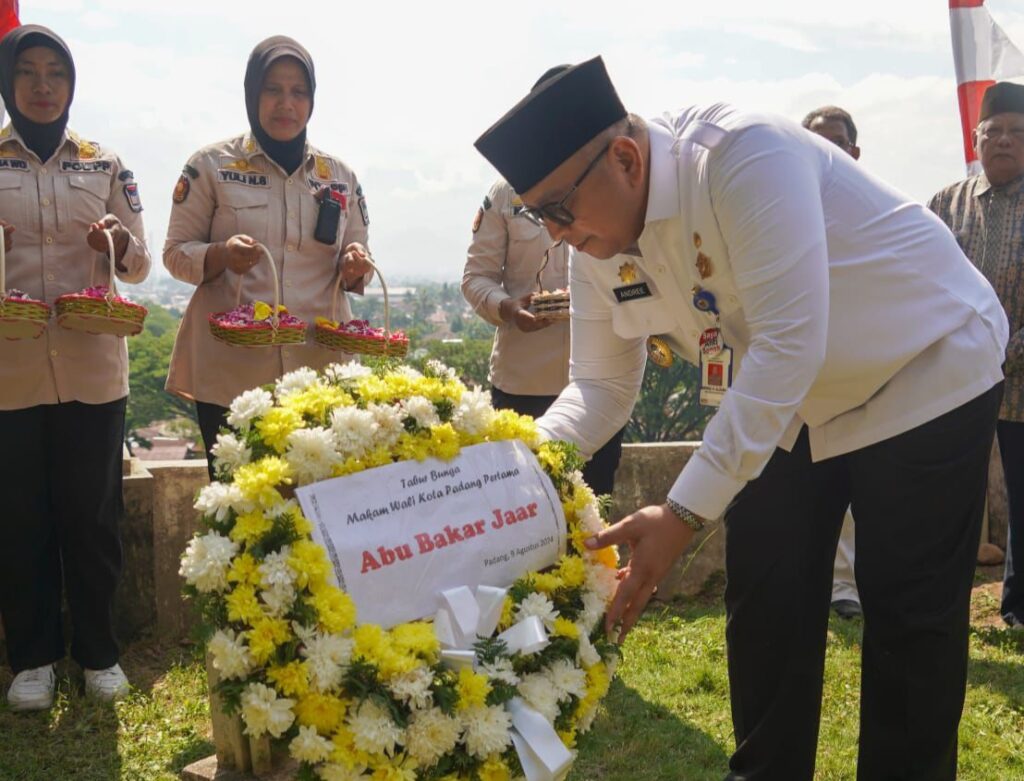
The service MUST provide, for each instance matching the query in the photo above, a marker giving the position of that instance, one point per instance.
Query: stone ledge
(210, 770)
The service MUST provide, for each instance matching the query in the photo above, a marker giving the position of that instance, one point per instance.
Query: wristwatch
(685, 515)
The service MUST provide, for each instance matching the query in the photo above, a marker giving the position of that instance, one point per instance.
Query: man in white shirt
(861, 355)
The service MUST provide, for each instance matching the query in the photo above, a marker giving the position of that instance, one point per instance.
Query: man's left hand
(656, 538)
(97, 241)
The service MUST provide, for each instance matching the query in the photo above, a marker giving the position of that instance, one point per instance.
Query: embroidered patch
(335, 187)
(86, 166)
(487, 203)
(190, 171)
(181, 189)
(131, 194)
(126, 175)
(13, 164)
(363, 212)
(478, 219)
(322, 167)
(248, 179)
(632, 292)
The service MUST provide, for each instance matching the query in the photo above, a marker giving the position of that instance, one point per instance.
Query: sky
(403, 89)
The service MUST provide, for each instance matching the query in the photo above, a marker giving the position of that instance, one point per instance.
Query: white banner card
(400, 534)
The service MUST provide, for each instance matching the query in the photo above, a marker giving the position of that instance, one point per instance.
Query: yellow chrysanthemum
(321, 711)
(250, 526)
(309, 560)
(370, 642)
(545, 582)
(551, 459)
(259, 480)
(572, 571)
(275, 426)
(335, 608)
(242, 604)
(508, 614)
(444, 442)
(416, 639)
(507, 424)
(292, 679)
(413, 447)
(568, 737)
(345, 752)
(494, 769)
(265, 636)
(317, 401)
(473, 689)
(301, 523)
(244, 570)
(609, 557)
(566, 628)
(391, 772)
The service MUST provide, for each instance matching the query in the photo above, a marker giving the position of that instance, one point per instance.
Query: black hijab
(287, 154)
(43, 139)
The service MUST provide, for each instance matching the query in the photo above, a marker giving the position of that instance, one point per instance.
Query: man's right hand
(515, 312)
(241, 253)
(8, 237)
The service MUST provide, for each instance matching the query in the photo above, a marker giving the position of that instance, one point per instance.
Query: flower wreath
(356, 701)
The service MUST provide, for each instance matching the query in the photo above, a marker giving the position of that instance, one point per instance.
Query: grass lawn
(667, 715)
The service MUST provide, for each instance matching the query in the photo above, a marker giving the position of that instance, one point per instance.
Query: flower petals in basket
(358, 336)
(255, 325)
(21, 317)
(96, 310)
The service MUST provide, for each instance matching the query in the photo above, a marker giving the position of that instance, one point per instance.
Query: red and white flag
(983, 55)
(8, 21)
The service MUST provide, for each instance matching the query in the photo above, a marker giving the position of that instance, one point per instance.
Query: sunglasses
(556, 212)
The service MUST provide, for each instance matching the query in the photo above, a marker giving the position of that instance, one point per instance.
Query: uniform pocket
(84, 201)
(12, 199)
(250, 207)
(642, 317)
(521, 229)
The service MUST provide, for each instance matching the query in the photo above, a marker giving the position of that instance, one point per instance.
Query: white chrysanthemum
(587, 720)
(206, 561)
(539, 605)
(263, 711)
(278, 600)
(474, 413)
(435, 368)
(413, 687)
(501, 670)
(308, 746)
(407, 371)
(486, 730)
(538, 693)
(311, 454)
(593, 608)
(342, 372)
(373, 730)
(218, 499)
(277, 581)
(341, 773)
(229, 453)
(327, 656)
(421, 410)
(601, 580)
(587, 655)
(285, 507)
(230, 655)
(354, 430)
(431, 734)
(590, 519)
(295, 381)
(249, 406)
(389, 424)
(567, 679)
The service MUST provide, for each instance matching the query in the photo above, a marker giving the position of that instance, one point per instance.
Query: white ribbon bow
(465, 617)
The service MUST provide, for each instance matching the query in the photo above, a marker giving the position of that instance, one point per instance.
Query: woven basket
(106, 315)
(268, 333)
(20, 318)
(338, 339)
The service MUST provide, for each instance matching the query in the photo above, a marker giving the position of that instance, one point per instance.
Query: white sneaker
(32, 689)
(107, 685)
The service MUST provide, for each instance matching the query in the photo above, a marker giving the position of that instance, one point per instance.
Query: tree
(150, 356)
(669, 408)
(470, 358)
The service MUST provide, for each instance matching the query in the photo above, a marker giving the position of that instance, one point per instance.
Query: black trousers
(599, 471)
(918, 499)
(212, 418)
(60, 478)
(1011, 449)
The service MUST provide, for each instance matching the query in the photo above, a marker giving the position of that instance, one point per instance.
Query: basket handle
(384, 287)
(112, 256)
(274, 319)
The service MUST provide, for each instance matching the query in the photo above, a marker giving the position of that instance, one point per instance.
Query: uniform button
(53, 353)
(49, 239)
(288, 182)
(290, 248)
(50, 277)
(42, 170)
(288, 283)
(661, 269)
(291, 215)
(46, 201)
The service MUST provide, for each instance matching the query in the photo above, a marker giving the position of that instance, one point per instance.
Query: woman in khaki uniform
(266, 186)
(62, 395)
